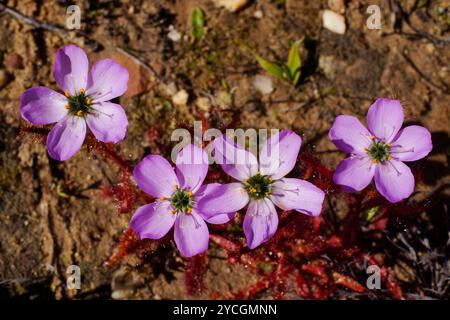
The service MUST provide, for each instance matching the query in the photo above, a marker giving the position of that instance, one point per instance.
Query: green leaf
(371, 213)
(294, 62)
(197, 23)
(274, 68)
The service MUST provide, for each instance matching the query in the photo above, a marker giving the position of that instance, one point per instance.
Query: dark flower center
(258, 186)
(79, 105)
(379, 151)
(182, 201)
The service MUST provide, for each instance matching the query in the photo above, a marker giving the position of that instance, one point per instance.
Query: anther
(189, 210)
(89, 101)
(79, 113)
(66, 93)
(81, 90)
(163, 198)
(67, 106)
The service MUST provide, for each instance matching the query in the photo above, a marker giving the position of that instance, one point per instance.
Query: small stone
(231, 5)
(258, 14)
(14, 61)
(337, 5)
(203, 103)
(4, 78)
(223, 99)
(263, 84)
(173, 34)
(180, 98)
(333, 22)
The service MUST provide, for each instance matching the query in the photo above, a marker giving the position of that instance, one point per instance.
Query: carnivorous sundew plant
(85, 102)
(380, 151)
(262, 185)
(293, 243)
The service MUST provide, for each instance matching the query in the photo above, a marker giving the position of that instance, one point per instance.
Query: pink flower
(85, 103)
(380, 151)
(178, 194)
(262, 185)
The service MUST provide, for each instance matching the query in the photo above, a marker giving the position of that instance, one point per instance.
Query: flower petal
(71, 69)
(278, 156)
(260, 222)
(192, 167)
(394, 180)
(221, 218)
(224, 198)
(349, 135)
(191, 234)
(385, 118)
(412, 143)
(107, 80)
(235, 161)
(108, 122)
(155, 176)
(40, 105)
(66, 137)
(354, 173)
(296, 194)
(153, 220)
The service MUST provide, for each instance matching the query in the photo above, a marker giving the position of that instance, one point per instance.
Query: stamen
(66, 93)
(81, 90)
(80, 113)
(67, 106)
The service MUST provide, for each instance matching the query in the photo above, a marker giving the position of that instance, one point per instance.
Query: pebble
(173, 34)
(180, 98)
(231, 5)
(203, 103)
(258, 14)
(337, 5)
(333, 22)
(263, 84)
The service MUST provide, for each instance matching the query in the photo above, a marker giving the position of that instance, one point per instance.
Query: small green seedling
(371, 213)
(290, 71)
(197, 24)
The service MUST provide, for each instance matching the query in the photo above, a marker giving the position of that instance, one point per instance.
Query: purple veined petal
(234, 160)
(299, 195)
(394, 180)
(260, 222)
(70, 69)
(40, 105)
(155, 176)
(108, 122)
(66, 137)
(354, 173)
(107, 80)
(192, 167)
(278, 156)
(191, 234)
(412, 143)
(385, 118)
(225, 198)
(221, 218)
(154, 220)
(349, 135)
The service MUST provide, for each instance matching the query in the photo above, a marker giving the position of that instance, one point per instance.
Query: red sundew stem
(348, 282)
